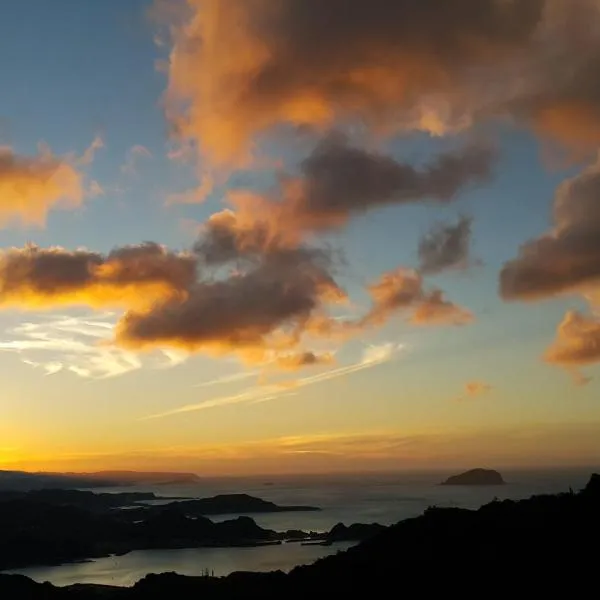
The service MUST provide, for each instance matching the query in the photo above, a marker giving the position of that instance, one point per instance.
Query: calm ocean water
(366, 498)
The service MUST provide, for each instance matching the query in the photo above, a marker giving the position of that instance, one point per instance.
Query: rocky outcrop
(476, 477)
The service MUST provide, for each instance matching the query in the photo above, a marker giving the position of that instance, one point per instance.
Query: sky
(243, 237)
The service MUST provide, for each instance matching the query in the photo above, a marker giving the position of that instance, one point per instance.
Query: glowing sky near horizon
(240, 236)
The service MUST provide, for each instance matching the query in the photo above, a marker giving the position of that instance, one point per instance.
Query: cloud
(247, 233)
(31, 186)
(134, 155)
(577, 341)
(34, 278)
(195, 195)
(434, 309)
(226, 379)
(299, 360)
(372, 356)
(95, 189)
(251, 312)
(402, 290)
(87, 158)
(565, 260)
(336, 182)
(241, 66)
(446, 246)
(477, 388)
(339, 180)
(77, 345)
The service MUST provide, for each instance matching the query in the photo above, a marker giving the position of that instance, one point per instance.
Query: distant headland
(22, 480)
(476, 477)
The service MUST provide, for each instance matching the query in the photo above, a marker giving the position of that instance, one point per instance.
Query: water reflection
(126, 570)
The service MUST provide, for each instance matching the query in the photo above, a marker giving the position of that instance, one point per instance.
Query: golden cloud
(402, 290)
(477, 388)
(239, 67)
(34, 278)
(31, 186)
(434, 309)
(577, 341)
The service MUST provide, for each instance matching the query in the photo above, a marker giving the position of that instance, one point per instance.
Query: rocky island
(476, 477)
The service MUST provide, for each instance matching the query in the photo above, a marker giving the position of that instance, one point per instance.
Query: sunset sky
(252, 236)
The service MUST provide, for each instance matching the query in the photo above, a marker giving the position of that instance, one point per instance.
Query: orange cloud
(31, 186)
(402, 290)
(566, 260)
(434, 309)
(239, 67)
(577, 341)
(33, 278)
(477, 388)
(395, 290)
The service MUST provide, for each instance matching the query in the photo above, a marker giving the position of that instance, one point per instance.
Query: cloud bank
(36, 278)
(240, 67)
(565, 261)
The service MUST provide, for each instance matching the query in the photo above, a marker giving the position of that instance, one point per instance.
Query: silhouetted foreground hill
(546, 545)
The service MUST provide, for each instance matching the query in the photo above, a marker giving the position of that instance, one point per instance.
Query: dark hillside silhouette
(545, 545)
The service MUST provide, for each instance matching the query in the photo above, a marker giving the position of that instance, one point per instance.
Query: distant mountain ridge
(23, 480)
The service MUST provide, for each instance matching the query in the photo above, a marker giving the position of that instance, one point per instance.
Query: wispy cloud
(134, 155)
(372, 356)
(225, 379)
(62, 343)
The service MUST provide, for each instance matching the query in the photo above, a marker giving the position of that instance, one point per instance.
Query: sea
(384, 498)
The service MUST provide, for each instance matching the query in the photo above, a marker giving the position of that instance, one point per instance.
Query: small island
(476, 477)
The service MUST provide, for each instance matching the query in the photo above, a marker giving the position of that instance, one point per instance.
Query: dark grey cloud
(446, 246)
